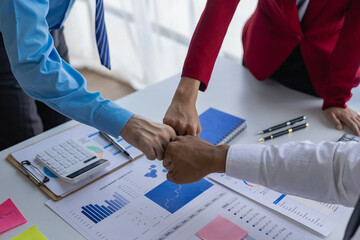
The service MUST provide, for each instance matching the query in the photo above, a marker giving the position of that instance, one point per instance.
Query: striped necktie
(101, 35)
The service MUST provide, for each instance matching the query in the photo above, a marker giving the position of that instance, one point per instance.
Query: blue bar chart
(96, 213)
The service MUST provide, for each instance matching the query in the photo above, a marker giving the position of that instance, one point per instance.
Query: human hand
(190, 158)
(181, 114)
(148, 136)
(348, 116)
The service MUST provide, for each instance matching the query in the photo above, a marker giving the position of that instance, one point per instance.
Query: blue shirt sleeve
(42, 73)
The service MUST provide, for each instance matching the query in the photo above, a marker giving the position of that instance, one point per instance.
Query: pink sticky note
(10, 216)
(221, 228)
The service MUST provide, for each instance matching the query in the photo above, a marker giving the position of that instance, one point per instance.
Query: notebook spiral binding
(232, 133)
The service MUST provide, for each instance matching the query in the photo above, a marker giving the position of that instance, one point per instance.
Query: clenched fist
(148, 136)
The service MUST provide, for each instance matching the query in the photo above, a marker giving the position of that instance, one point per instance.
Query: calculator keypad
(66, 157)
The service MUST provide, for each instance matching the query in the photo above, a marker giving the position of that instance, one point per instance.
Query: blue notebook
(219, 127)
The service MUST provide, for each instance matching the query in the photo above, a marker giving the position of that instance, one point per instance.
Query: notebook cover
(216, 125)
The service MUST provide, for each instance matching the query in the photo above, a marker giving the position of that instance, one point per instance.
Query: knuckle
(151, 156)
(190, 128)
(148, 151)
(170, 122)
(171, 131)
(166, 119)
(183, 125)
(178, 139)
(170, 147)
(188, 125)
(148, 146)
(179, 125)
(160, 154)
(155, 139)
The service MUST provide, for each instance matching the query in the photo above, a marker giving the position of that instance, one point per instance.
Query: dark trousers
(293, 74)
(21, 116)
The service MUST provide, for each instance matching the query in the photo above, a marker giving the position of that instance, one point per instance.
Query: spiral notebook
(219, 127)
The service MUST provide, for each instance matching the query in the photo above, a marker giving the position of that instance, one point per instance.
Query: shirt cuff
(331, 103)
(112, 118)
(244, 161)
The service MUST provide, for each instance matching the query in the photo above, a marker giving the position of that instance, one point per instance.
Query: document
(92, 140)
(321, 217)
(137, 202)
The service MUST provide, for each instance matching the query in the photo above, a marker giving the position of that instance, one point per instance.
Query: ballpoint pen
(284, 132)
(284, 124)
(116, 144)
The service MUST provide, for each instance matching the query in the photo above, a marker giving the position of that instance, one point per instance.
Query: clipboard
(33, 172)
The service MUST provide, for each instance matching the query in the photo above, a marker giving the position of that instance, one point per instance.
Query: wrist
(128, 126)
(187, 90)
(219, 158)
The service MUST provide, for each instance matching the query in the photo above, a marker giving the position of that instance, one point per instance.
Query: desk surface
(232, 89)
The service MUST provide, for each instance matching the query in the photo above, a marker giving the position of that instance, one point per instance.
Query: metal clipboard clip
(30, 175)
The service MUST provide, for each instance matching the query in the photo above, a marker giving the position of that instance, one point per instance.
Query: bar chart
(96, 213)
(318, 216)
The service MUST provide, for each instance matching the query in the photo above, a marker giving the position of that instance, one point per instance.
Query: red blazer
(329, 38)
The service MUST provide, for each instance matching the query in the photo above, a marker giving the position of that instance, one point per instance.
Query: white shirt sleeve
(327, 172)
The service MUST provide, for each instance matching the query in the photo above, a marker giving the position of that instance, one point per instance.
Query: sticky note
(10, 216)
(221, 228)
(31, 234)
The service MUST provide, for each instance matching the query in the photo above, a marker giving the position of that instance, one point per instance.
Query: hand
(347, 116)
(181, 114)
(148, 136)
(190, 158)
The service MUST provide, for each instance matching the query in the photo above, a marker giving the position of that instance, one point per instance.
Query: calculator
(71, 162)
(349, 137)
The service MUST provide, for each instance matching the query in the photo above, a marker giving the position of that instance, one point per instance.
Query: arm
(43, 75)
(203, 51)
(181, 114)
(207, 40)
(326, 171)
(344, 65)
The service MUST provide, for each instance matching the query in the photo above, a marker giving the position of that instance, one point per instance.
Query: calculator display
(87, 168)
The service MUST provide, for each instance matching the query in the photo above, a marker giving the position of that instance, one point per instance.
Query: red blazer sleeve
(207, 40)
(344, 71)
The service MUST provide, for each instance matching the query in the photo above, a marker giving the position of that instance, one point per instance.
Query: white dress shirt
(326, 172)
(302, 6)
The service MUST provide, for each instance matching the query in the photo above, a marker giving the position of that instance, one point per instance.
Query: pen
(284, 124)
(113, 141)
(283, 132)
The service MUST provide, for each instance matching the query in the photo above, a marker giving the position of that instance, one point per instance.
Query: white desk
(232, 90)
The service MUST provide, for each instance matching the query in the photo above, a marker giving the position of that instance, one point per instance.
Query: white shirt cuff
(243, 161)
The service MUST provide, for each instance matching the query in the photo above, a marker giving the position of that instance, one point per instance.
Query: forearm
(207, 40)
(187, 90)
(344, 61)
(42, 73)
(326, 172)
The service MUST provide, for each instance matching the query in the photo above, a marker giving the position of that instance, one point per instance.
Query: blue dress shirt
(40, 71)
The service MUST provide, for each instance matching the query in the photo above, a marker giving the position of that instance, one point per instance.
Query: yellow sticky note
(31, 234)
